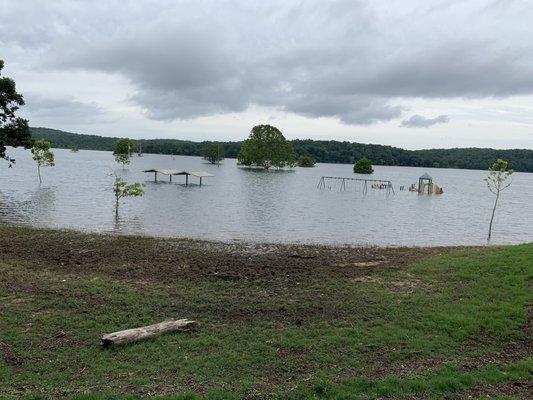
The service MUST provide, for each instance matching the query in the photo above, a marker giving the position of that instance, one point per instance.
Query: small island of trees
(267, 147)
(363, 166)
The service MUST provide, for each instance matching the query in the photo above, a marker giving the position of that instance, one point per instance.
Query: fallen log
(136, 334)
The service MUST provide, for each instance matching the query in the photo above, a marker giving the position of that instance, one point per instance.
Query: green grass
(439, 326)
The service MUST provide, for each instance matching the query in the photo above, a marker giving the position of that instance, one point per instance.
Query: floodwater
(251, 205)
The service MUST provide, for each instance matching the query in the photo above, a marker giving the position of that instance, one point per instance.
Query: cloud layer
(354, 61)
(418, 121)
(66, 108)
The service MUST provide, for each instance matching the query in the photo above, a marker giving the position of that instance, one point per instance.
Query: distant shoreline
(322, 151)
(271, 170)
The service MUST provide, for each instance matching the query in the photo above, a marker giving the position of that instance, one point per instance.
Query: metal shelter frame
(172, 172)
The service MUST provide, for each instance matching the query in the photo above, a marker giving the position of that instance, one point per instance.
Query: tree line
(326, 151)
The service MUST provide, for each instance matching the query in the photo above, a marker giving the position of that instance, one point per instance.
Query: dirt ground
(141, 260)
(165, 260)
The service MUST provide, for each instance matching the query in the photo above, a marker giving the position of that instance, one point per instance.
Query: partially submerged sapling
(498, 180)
(124, 189)
(42, 155)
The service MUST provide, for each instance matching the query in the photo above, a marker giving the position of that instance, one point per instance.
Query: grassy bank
(275, 321)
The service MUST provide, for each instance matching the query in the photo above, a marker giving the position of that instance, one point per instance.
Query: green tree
(122, 189)
(363, 166)
(266, 147)
(122, 151)
(123, 159)
(213, 152)
(498, 180)
(42, 155)
(124, 146)
(306, 162)
(14, 131)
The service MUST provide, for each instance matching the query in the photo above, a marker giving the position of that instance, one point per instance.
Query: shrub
(363, 166)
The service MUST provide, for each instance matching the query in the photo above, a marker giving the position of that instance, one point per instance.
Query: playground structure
(426, 185)
(374, 183)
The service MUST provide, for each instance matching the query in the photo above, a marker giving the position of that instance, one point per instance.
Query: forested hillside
(328, 151)
(467, 158)
(68, 140)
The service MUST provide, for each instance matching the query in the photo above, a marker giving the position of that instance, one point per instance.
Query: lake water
(251, 205)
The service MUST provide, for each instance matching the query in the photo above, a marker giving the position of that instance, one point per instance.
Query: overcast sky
(414, 74)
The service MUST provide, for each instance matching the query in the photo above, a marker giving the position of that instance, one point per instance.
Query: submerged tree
(363, 166)
(266, 147)
(213, 152)
(122, 189)
(123, 159)
(122, 151)
(14, 131)
(42, 155)
(306, 162)
(497, 180)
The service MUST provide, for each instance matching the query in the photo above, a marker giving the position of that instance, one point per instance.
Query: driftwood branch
(136, 334)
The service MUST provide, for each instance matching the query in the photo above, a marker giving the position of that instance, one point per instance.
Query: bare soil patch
(169, 260)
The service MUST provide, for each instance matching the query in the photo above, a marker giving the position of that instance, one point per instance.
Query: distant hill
(68, 140)
(328, 151)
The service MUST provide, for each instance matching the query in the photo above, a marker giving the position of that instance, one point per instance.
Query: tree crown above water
(266, 147)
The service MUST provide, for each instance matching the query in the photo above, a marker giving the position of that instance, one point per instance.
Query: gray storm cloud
(60, 107)
(418, 121)
(354, 61)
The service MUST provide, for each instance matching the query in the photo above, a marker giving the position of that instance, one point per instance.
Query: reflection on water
(275, 206)
(127, 224)
(37, 206)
